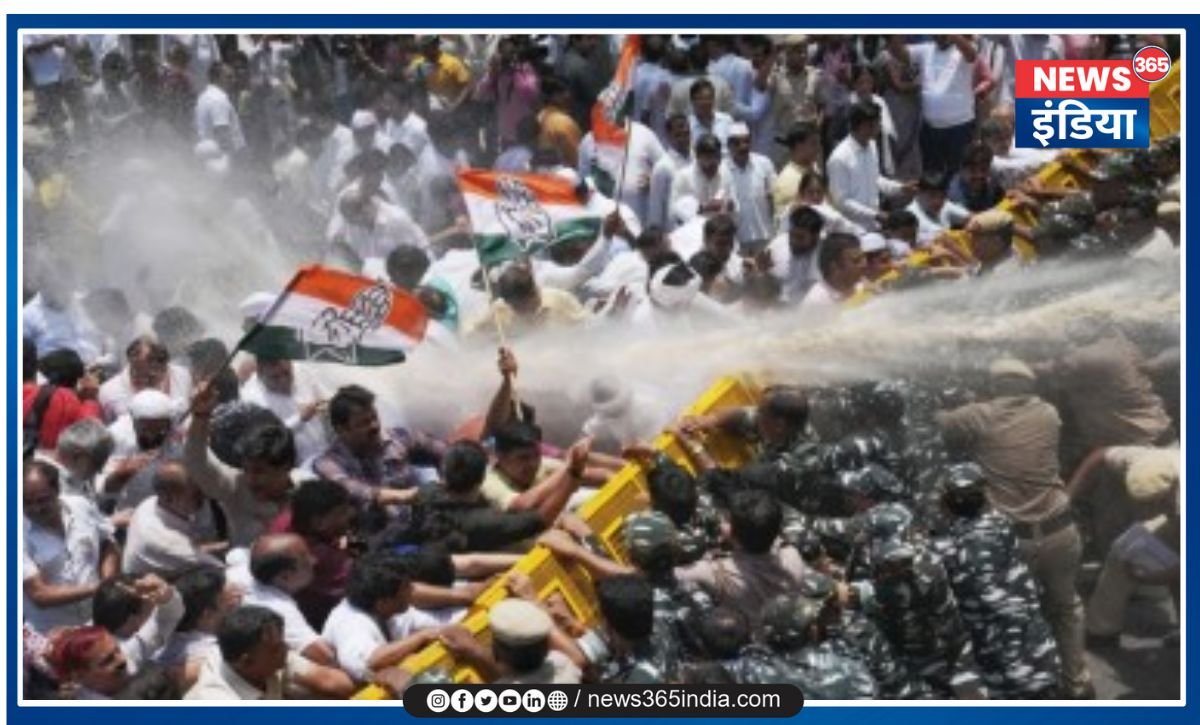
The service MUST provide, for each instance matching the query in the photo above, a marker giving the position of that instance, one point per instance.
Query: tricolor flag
(326, 315)
(608, 129)
(518, 215)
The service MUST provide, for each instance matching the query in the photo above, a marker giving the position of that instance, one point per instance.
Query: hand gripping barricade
(623, 494)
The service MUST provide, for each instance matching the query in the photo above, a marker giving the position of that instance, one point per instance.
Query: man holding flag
(519, 218)
(322, 315)
(516, 217)
(615, 155)
(522, 304)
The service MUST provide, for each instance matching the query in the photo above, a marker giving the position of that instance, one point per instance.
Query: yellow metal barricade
(728, 392)
(622, 495)
(1165, 104)
(605, 512)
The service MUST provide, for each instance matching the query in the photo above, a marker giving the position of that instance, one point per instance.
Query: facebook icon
(462, 700)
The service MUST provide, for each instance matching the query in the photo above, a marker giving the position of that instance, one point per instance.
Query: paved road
(1142, 667)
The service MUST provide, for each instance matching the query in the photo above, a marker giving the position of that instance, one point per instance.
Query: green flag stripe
(284, 343)
(497, 248)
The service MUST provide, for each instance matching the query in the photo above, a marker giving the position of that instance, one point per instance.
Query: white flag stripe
(485, 220)
(299, 311)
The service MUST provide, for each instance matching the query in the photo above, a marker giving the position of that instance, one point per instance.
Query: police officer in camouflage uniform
(774, 426)
(873, 528)
(674, 492)
(651, 543)
(855, 636)
(881, 421)
(996, 593)
(789, 653)
(914, 605)
(1126, 193)
(796, 643)
(867, 422)
(854, 501)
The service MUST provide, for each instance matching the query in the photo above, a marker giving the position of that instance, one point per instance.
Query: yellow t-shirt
(500, 491)
(558, 308)
(447, 78)
(559, 131)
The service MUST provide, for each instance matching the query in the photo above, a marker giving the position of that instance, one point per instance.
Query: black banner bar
(603, 701)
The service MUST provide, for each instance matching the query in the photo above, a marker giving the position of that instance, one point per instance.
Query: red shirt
(330, 572)
(64, 409)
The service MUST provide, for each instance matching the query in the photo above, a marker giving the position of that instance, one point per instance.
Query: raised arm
(502, 408)
(550, 496)
(209, 475)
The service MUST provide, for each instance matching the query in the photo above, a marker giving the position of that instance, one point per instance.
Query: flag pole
(620, 188)
(487, 286)
(248, 335)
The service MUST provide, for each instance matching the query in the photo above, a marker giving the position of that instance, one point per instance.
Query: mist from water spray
(157, 226)
(923, 333)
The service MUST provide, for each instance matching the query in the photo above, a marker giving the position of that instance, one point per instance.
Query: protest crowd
(212, 516)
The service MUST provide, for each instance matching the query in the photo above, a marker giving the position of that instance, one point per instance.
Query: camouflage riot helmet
(433, 676)
(892, 556)
(963, 489)
(787, 619)
(1054, 232)
(1079, 207)
(887, 521)
(817, 586)
(872, 482)
(650, 539)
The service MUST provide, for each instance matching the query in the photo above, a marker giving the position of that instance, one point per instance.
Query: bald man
(167, 534)
(280, 566)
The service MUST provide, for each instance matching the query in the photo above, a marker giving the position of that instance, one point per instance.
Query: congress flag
(327, 315)
(519, 215)
(608, 130)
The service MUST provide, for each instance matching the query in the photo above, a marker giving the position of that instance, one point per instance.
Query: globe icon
(558, 700)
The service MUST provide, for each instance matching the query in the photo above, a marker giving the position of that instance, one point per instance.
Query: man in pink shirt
(512, 86)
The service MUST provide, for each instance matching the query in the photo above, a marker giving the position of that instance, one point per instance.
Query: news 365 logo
(1087, 104)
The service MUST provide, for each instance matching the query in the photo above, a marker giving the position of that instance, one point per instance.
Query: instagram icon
(438, 700)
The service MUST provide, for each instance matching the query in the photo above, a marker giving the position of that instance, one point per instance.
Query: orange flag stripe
(338, 288)
(549, 189)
